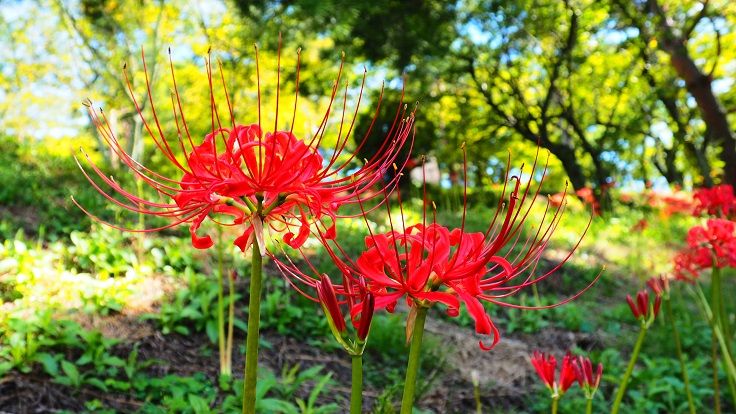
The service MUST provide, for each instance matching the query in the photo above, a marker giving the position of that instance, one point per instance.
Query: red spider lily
(660, 285)
(640, 226)
(587, 380)
(642, 309)
(718, 201)
(587, 195)
(427, 263)
(677, 202)
(259, 179)
(546, 367)
(711, 246)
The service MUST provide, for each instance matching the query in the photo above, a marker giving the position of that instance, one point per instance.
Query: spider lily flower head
(642, 309)
(428, 264)
(718, 201)
(709, 246)
(587, 379)
(546, 368)
(259, 179)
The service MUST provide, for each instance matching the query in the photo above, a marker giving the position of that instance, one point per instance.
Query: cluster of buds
(660, 285)
(588, 380)
(573, 369)
(546, 367)
(361, 313)
(644, 310)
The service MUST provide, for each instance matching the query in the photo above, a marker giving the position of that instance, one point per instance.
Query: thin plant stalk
(720, 319)
(225, 369)
(714, 363)
(356, 392)
(230, 319)
(718, 333)
(678, 351)
(412, 368)
(251, 340)
(555, 401)
(589, 406)
(629, 369)
(476, 393)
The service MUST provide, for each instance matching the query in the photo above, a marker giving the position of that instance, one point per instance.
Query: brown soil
(505, 374)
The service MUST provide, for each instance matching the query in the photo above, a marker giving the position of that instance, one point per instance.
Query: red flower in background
(717, 201)
(709, 246)
(640, 226)
(546, 367)
(642, 309)
(587, 379)
(259, 180)
(587, 195)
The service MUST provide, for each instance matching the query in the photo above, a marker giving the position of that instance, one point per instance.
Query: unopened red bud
(634, 309)
(642, 300)
(366, 316)
(326, 295)
(657, 303)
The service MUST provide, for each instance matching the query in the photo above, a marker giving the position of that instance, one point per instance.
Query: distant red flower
(660, 285)
(587, 379)
(587, 195)
(711, 246)
(640, 226)
(258, 179)
(642, 309)
(718, 201)
(546, 367)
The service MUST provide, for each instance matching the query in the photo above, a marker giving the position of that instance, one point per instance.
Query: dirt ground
(505, 374)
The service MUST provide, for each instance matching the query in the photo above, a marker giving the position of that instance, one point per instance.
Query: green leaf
(199, 404)
(49, 362)
(71, 371)
(97, 383)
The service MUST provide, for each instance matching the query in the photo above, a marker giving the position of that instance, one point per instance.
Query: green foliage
(192, 309)
(31, 196)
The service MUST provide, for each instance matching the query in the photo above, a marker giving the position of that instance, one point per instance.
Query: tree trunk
(699, 86)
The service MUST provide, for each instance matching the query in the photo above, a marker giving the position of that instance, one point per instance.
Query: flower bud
(328, 299)
(366, 316)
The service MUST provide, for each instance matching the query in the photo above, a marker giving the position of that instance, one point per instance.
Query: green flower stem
(224, 368)
(629, 369)
(412, 368)
(356, 393)
(589, 406)
(714, 363)
(680, 356)
(251, 341)
(555, 400)
(230, 321)
(720, 319)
